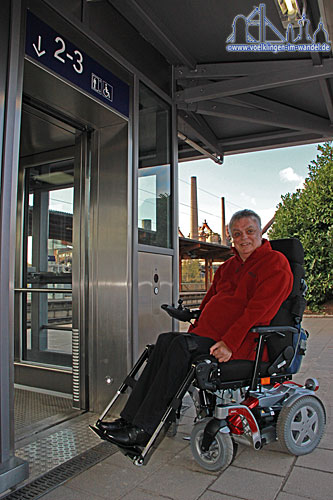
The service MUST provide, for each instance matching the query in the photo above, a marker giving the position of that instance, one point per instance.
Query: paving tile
(158, 459)
(212, 495)
(319, 459)
(286, 496)
(175, 444)
(178, 483)
(247, 484)
(186, 425)
(142, 494)
(185, 460)
(326, 441)
(310, 484)
(188, 408)
(104, 478)
(64, 493)
(265, 461)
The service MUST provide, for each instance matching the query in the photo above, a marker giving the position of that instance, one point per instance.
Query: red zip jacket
(244, 294)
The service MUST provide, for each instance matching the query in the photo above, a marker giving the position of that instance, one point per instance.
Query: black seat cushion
(239, 369)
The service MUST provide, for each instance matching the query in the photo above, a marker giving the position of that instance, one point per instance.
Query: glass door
(47, 264)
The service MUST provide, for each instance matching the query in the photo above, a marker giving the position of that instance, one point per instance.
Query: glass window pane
(47, 317)
(154, 177)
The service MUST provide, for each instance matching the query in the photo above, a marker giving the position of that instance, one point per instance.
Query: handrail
(45, 290)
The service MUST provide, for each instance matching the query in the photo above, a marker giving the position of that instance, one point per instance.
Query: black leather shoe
(119, 423)
(129, 436)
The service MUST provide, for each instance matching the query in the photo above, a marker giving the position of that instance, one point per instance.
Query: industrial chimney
(194, 210)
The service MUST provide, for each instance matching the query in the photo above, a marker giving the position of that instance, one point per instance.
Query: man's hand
(221, 351)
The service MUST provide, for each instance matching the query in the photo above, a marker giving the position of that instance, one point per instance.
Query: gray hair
(241, 214)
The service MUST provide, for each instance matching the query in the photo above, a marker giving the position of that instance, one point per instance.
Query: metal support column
(175, 205)
(12, 469)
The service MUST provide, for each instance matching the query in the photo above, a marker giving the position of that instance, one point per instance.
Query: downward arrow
(38, 50)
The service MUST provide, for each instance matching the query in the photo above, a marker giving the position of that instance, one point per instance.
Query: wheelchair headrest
(291, 247)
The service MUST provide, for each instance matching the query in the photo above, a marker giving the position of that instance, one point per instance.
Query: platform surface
(267, 474)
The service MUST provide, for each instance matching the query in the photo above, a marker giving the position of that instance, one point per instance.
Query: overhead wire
(211, 194)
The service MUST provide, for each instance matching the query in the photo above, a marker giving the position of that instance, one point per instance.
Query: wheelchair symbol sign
(101, 87)
(107, 90)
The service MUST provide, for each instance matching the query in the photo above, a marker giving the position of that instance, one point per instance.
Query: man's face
(246, 236)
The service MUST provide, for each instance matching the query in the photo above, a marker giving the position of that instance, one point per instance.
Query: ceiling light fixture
(291, 11)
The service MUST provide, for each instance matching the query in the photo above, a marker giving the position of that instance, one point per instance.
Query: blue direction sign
(51, 49)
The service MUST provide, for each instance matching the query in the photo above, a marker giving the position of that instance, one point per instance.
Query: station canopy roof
(195, 249)
(234, 100)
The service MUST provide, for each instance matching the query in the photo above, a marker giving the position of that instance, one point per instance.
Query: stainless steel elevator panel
(110, 269)
(155, 288)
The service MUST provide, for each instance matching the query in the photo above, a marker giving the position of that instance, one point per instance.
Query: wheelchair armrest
(279, 330)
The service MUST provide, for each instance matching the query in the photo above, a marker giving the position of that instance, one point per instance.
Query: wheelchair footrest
(134, 452)
(99, 432)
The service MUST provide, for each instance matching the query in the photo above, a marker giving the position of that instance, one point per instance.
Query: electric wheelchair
(241, 401)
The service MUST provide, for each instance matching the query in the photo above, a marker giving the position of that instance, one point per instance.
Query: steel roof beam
(262, 146)
(327, 95)
(282, 116)
(236, 69)
(317, 57)
(326, 14)
(255, 82)
(266, 136)
(269, 105)
(199, 148)
(324, 86)
(233, 70)
(152, 28)
(272, 144)
(191, 124)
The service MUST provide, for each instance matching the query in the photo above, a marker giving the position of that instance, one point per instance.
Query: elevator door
(47, 267)
(47, 350)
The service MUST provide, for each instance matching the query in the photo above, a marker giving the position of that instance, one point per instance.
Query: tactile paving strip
(73, 438)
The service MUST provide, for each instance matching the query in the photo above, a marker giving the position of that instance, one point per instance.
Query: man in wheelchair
(247, 291)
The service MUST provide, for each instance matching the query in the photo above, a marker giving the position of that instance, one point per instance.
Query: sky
(249, 180)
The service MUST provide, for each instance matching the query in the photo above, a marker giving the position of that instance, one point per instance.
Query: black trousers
(164, 372)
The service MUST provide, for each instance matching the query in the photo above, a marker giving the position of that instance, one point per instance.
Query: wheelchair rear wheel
(221, 452)
(301, 425)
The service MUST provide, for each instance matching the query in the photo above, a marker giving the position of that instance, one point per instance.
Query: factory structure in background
(204, 232)
(201, 253)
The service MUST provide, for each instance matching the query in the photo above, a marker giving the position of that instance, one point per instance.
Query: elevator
(72, 190)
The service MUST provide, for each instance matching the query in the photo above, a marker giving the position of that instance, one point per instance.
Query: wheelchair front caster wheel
(221, 451)
(312, 384)
(301, 425)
